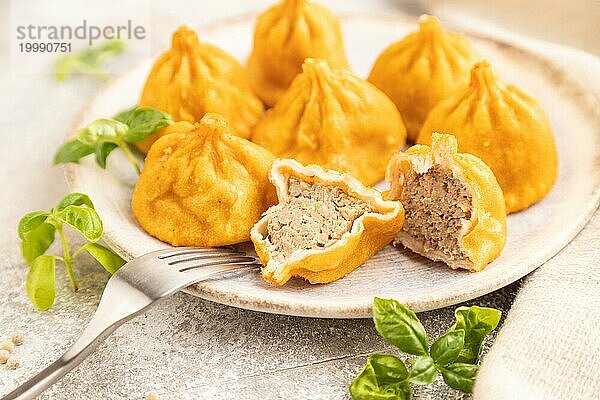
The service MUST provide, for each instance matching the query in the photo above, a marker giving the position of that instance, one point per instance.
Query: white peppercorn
(152, 395)
(4, 355)
(8, 346)
(13, 362)
(17, 338)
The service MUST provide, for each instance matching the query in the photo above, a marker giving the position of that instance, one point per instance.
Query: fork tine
(234, 272)
(233, 261)
(204, 256)
(174, 252)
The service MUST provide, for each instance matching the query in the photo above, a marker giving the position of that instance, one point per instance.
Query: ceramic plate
(534, 235)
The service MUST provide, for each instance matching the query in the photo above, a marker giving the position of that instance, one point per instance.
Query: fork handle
(106, 320)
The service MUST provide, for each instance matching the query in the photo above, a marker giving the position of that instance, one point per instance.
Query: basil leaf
(93, 55)
(400, 326)
(109, 260)
(74, 199)
(40, 282)
(460, 376)
(448, 346)
(31, 221)
(423, 371)
(477, 322)
(36, 241)
(102, 152)
(102, 130)
(142, 122)
(84, 219)
(384, 377)
(88, 60)
(72, 151)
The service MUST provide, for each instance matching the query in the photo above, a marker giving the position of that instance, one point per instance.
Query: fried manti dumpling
(204, 187)
(176, 127)
(335, 119)
(193, 78)
(326, 224)
(454, 206)
(422, 69)
(507, 129)
(285, 35)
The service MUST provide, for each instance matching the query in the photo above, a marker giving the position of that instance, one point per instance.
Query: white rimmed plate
(534, 235)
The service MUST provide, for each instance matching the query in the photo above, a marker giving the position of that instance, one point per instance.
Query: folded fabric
(549, 346)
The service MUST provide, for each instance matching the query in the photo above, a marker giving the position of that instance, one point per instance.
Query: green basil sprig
(454, 354)
(37, 231)
(88, 60)
(104, 135)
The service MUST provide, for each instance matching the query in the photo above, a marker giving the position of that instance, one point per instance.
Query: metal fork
(130, 291)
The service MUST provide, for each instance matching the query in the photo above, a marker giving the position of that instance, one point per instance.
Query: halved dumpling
(454, 206)
(326, 224)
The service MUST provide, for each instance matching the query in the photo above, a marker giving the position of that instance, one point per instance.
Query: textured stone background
(184, 348)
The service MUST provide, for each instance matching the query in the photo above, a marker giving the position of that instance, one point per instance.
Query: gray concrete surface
(184, 348)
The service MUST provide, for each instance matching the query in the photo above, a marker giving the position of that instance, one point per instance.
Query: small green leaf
(448, 346)
(36, 241)
(84, 219)
(102, 130)
(102, 152)
(477, 322)
(106, 257)
(400, 326)
(74, 199)
(384, 377)
(40, 282)
(142, 122)
(88, 60)
(423, 371)
(72, 151)
(388, 369)
(460, 376)
(31, 221)
(100, 52)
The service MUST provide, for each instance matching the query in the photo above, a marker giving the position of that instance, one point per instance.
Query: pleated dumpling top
(335, 119)
(286, 34)
(193, 78)
(422, 69)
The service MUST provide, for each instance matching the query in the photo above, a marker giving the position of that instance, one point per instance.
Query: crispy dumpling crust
(482, 237)
(193, 78)
(369, 232)
(422, 69)
(205, 187)
(507, 129)
(285, 35)
(335, 119)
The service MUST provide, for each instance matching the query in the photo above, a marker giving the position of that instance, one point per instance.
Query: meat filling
(315, 216)
(437, 206)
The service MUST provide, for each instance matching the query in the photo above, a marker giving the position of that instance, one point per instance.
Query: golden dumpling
(286, 34)
(422, 69)
(507, 129)
(335, 119)
(204, 187)
(454, 206)
(326, 224)
(193, 78)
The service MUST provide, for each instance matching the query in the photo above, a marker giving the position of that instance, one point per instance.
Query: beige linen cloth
(549, 345)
